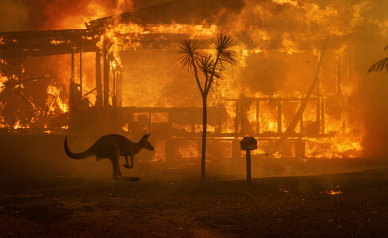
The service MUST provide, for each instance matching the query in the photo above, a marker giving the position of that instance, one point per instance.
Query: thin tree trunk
(204, 126)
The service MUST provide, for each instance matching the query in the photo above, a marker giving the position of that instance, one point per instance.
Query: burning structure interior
(122, 75)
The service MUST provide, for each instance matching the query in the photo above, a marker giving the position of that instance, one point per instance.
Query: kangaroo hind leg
(127, 164)
(114, 158)
(116, 168)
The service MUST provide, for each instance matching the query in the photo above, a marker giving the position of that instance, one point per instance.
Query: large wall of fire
(278, 44)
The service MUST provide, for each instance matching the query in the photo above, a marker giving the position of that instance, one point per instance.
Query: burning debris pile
(129, 75)
(19, 109)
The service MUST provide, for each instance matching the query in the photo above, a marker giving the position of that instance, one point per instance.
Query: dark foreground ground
(68, 206)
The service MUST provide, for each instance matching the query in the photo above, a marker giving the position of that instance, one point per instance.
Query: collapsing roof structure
(55, 42)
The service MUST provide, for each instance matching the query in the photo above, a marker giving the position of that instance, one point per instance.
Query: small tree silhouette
(380, 65)
(211, 67)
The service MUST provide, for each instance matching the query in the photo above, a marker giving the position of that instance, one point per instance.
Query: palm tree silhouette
(380, 65)
(211, 67)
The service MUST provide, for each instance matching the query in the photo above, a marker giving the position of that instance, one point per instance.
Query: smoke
(31, 15)
(14, 15)
(276, 24)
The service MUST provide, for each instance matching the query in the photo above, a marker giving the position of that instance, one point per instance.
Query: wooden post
(248, 144)
(301, 126)
(80, 64)
(257, 116)
(98, 79)
(323, 116)
(72, 64)
(114, 99)
(237, 117)
(72, 78)
(242, 115)
(339, 75)
(279, 116)
(72, 115)
(119, 87)
(21, 73)
(249, 167)
(106, 77)
(319, 99)
(319, 114)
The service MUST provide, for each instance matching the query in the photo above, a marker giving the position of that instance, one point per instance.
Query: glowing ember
(2, 81)
(331, 192)
(125, 127)
(56, 42)
(18, 125)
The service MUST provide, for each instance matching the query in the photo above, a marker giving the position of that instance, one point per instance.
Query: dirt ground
(43, 193)
(292, 206)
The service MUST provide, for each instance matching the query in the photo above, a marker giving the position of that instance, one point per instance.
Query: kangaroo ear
(145, 137)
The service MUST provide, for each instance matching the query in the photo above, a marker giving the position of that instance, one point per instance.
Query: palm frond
(206, 65)
(191, 56)
(222, 44)
(380, 65)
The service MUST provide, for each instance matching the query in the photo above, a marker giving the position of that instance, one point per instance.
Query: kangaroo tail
(82, 155)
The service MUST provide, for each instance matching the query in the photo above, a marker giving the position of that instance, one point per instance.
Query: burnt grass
(69, 206)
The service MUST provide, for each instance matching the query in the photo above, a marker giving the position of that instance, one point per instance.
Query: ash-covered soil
(68, 206)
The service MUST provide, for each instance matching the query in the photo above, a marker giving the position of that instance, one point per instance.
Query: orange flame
(55, 101)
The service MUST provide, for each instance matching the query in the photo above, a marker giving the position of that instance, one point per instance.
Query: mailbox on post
(248, 144)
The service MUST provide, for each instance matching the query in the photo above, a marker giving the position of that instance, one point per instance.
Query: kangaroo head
(144, 143)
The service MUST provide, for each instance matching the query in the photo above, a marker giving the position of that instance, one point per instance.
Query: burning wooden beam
(99, 84)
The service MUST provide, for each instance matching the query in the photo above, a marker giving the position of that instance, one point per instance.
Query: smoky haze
(26, 15)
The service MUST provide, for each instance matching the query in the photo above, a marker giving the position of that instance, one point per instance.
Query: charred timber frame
(320, 105)
(175, 116)
(46, 43)
(168, 132)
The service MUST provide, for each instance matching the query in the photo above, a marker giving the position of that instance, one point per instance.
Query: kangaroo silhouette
(112, 147)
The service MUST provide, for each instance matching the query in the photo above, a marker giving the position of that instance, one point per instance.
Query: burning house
(120, 74)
